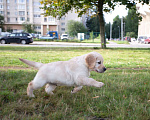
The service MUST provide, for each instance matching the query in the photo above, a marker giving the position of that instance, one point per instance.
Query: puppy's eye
(99, 62)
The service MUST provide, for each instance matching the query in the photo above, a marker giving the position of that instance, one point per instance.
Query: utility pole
(110, 30)
(119, 32)
(122, 28)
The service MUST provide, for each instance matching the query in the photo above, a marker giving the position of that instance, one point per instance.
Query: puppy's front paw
(100, 84)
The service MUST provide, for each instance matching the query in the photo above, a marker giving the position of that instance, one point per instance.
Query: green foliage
(116, 27)
(131, 34)
(91, 35)
(107, 30)
(28, 27)
(75, 27)
(93, 24)
(132, 22)
(2, 22)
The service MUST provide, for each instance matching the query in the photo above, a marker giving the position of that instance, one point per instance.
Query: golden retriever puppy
(74, 72)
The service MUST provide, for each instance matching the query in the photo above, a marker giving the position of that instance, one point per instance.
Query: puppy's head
(94, 62)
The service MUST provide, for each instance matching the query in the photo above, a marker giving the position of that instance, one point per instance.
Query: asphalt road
(65, 44)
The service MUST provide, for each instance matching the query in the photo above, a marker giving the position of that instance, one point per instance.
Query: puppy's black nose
(104, 69)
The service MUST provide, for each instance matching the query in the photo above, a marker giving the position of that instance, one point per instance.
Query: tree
(27, 27)
(131, 22)
(2, 22)
(75, 27)
(93, 24)
(107, 30)
(61, 7)
(116, 27)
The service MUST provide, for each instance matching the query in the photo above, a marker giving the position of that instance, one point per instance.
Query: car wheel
(23, 42)
(3, 41)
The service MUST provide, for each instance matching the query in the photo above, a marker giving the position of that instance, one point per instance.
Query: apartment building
(17, 12)
(143, 28)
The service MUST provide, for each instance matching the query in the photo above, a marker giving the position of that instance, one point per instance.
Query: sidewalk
(111, 44)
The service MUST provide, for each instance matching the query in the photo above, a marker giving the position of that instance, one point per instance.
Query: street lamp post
(122, 28)
(119, 32)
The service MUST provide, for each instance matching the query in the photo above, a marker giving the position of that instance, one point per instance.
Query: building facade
(16, 12)
(143, 28)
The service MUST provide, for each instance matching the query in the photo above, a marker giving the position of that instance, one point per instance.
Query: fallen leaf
(96, 97)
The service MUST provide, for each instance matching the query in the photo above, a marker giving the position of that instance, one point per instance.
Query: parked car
(141, 39)
(23, 38)
(46, 37)
(147, 41)
(133, 39)
(128, 39)
(53, 34)
(64, 36)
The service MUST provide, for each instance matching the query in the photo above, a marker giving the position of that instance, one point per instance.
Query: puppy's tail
(31, 63)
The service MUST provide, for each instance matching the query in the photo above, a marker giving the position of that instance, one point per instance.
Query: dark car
(23, 38)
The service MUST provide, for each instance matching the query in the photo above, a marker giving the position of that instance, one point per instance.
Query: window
(12, 35)
(36, 3)
(16, 13)
(62, 29)
(37, 9)
(8, 7)
(45, 19)
(37, 27)
(19, 34)
(62, 24)
(1, 1)
(2, 12)
(1, 6)
(7, 1)
(28, 19)
(16, 19)
(22, 7)
(35, 15)
(22, 18)
(51, 19)
(21, 12)
(21, 1)
(15, 1)
(8, 19)
(63, 18)
(8, 13)
(27, 1)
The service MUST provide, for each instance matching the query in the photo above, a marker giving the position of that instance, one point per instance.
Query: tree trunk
(102, 23)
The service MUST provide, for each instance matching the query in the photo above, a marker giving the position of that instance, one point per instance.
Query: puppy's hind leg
(49, 88)
(76, 89)
(34, 85)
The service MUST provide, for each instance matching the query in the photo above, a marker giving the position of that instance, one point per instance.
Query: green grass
(125, 96)
(74, 40)
(113, 58)
(121, 42)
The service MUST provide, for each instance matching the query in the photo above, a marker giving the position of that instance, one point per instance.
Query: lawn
(125, 96)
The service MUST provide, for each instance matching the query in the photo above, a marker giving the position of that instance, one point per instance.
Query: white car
(141, 39)
(64, 36)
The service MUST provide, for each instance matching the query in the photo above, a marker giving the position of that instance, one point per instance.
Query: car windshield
(65, 35)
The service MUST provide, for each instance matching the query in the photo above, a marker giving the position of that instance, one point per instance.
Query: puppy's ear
(90, 61)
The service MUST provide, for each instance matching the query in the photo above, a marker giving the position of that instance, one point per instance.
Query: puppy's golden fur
(74, 72)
